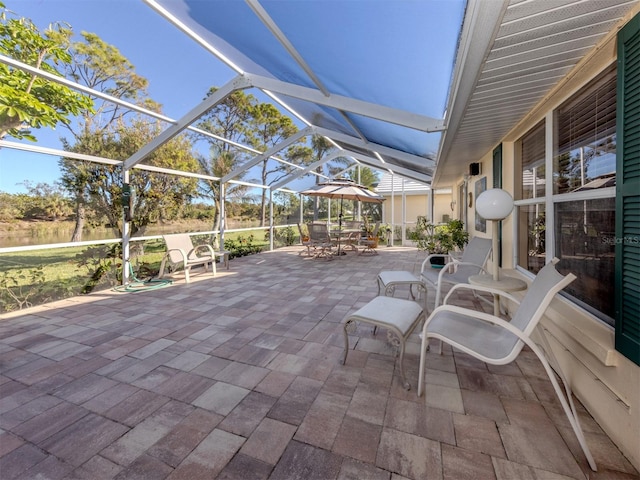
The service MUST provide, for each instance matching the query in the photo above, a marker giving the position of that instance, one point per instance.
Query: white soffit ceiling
(534, 44)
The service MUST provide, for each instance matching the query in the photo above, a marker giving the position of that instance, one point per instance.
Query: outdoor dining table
(341, 235)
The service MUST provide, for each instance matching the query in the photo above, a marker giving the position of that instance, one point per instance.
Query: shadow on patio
(238, 377)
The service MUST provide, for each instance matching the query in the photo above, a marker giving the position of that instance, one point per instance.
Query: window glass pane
(585, 155)
(532, 155)
(531, 241)
(585, 242)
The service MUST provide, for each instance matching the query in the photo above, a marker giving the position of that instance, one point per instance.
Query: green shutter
(627, 275)
(497, 183)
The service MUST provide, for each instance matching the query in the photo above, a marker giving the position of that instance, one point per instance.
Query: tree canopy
(26, 100)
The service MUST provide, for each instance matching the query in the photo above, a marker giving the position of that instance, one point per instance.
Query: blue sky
(179, 71)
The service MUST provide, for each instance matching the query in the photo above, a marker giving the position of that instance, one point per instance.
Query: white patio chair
(472, 262)
(181, 251)
(498, 342)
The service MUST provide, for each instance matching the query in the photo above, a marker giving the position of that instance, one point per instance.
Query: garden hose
(142, 285)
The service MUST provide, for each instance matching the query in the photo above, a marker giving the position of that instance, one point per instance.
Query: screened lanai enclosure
(535, 97)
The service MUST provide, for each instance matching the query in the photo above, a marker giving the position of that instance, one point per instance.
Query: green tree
(369, 178)
(268, 127)
(116, 132)
(158, 197)
(48, 202)
(320, 146)
(229, 120)
(26, 100)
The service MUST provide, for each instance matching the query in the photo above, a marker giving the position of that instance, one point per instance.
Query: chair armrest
(456, 264)
(200, 247)
(479, 288)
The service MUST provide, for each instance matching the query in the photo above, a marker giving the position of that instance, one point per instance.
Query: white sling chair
(473, 261)
(498, 342)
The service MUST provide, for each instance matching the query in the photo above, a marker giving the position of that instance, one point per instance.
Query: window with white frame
(530, 152)
(581, 193)
(584, 176)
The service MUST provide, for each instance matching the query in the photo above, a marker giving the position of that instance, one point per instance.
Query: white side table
(506, 284)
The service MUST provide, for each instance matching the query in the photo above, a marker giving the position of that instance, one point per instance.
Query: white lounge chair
(498, 342)
(181, 251)
(472, 262)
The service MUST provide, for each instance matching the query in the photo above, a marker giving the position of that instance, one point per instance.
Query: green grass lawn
(40, 276)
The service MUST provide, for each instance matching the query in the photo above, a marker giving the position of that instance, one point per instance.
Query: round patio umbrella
(343, 189)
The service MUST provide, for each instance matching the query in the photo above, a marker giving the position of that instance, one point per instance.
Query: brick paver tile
(50, 422)
(83, 439)
(97, 468)
(145, 468)
(248, 414)
(184, 437)
(8, 443)
(461, 464)
(209, 457)
(358, 439)
(27, 411)
(51, 468)
(322, 423)
(409, 455)
(368, 407)
(478, 434)
(355, 470)
(445, 398)
(268, 441)
(136, 407)
(20, 460)
(221, 398)
(240, 465)
(294, 404)
(110, 397)
(242, 375)
(305, 462)
(550, 453)
(275, 383)
(84, 388)
(184, 386)
(484, 404)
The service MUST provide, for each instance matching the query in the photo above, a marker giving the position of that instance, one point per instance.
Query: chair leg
(567, 403)
(423, 354)
(186, 274)
(163, 264)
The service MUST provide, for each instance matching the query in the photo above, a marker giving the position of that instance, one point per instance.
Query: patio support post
(393, 208)
(301, 210)
(126, 234)
(223, 215)
(271, 229)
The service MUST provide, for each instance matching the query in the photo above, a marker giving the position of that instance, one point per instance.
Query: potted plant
(439, 240)
(384, 234)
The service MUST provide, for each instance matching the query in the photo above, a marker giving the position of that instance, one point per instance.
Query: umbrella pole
(340, 252)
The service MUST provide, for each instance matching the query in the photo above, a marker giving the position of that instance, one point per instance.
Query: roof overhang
(511, 55)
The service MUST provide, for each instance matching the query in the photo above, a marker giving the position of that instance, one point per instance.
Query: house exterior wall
(604, 381)
(416, 205)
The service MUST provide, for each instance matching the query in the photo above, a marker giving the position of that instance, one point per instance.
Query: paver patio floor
(239, 377)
